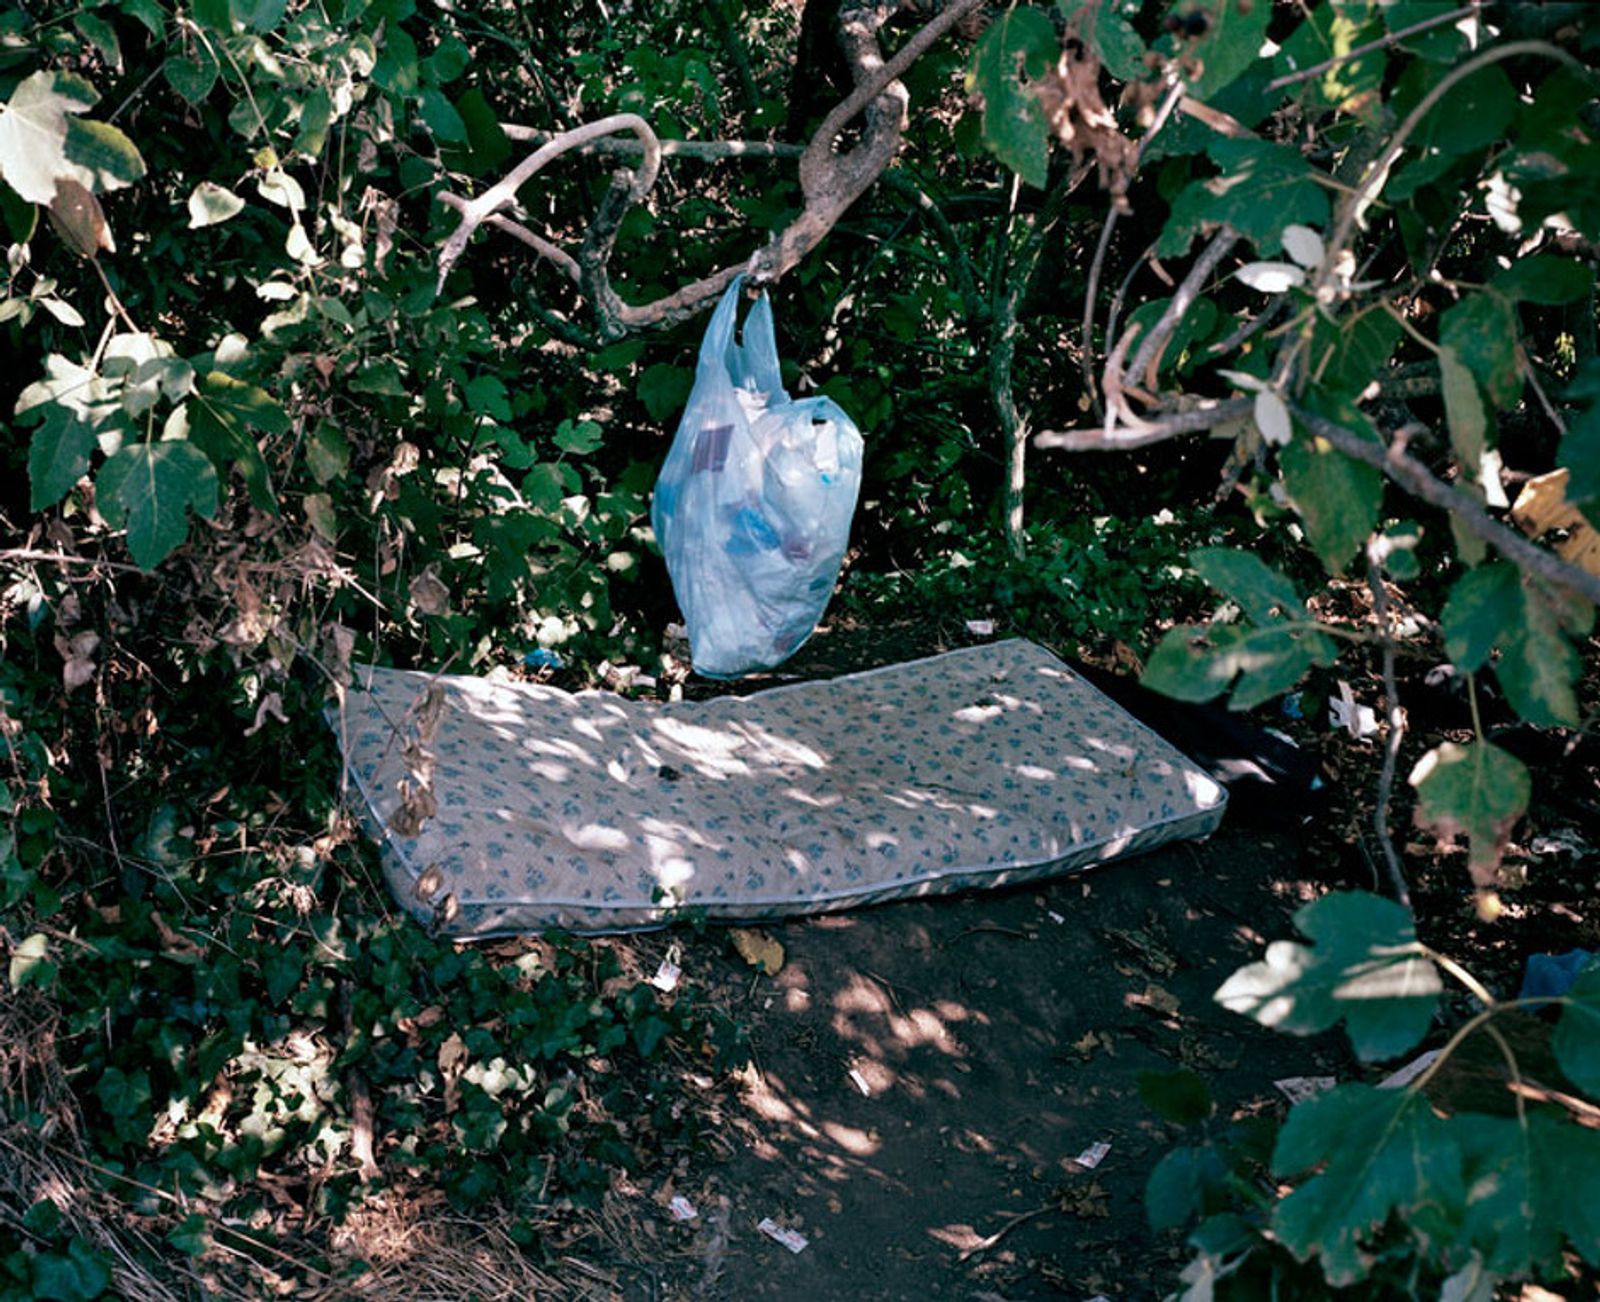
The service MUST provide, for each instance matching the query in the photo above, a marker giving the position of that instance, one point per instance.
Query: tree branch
(830, 181)
(1210, 413)
(1416, 479)
(707, 150)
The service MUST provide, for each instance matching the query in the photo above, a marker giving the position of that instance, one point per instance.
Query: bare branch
(1155, 340)
(1415, 478)
(1210, 413)
(706, 150)
(1397, 732)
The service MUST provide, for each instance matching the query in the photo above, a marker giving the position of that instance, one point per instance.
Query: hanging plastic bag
(753, 506)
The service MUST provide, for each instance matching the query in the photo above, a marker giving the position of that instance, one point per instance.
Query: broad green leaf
(1493, 607)
(1463, 407)
(1545, 279)
(664, 389)
(1019, 43)
(103, 36)
(259, 15)
(1474, 115)
(1528, 1185)
(1577, 1039)
(1118, 45)
(221, 415)
(1484, 604)
(1337, 496)
(192, 78)
(1580, 453)
(1364, 965)
(1231, 43)
(58, 455)
(381, 377)
(316, 115)
(327, 452)
(21, 217)
(1348, 354)
(1476, 790)
(1182, 1097)
(1185, 1184)
(210, 204)
(1262, 593)
(1482, 329)
(396, 70)
(1332, 31)
(1263, 187)
(148, 370)
(486, 395)
(486, 138)
(77, 1274)
(1197, 663)
(1383, 1153)
(580, 438)
(440, 114)
(150, 488)
(448, 61)
(42, 139)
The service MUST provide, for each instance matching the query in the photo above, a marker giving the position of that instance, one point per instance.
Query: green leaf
(1484, 604)
(1473, 116)
(1364, 965)
(1327, 33)
(1494, 607)
(1337, 496)
(1118, 45)
(1350, 352)
(1263, 188)
(1545, 279)
(1197, 663)
(1383, 1153)
(1577, 1039)
(1185, 1184)
(486, 395)
(1231, 43)
(58, 455)
(579, 439)
(648, 1033)
(443, 121)
(1477, 790)
(664, 389)
(1529, 1184)
(151, 487)
(190, 1235)
(1261, 592)
(486, 138)
(448, 61)
(42, 139)
(1182, 1097)
(76, 1275)
(1482, 329)
(316, 115)
(1019, 43)
(211, 204)
(1463, 407)
(21, 217)
(192, 78)
(222, 414)
(396, 69)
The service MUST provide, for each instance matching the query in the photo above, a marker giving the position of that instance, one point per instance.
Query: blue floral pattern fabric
(987, 766)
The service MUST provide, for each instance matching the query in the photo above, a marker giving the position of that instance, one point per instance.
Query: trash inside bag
(753, 506)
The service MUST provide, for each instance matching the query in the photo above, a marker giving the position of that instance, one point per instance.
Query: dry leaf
(761, 952)
(78, 652)
(429, 594)
(270, 704)
(1542, 505)
(79, 220)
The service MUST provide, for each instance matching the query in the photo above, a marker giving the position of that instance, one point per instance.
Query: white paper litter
(1405, 1075)
(791, 1239)
(1344, 712)
(1092, 1156)
(682, 1209)
(981, 627)
(666, 977)
(1297, 1089)
(1056, 918)
(860, 1082)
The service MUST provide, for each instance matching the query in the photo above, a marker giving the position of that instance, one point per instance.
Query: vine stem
(1397, 732)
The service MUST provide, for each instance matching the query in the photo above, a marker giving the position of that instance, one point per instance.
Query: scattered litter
(604, 670)
(676, 633)
(1056, 918)
(1549, 976)
(682, 1209)
(1566, 841)
(1294, 706)
(542, 658)
(644, 682)
(1404, 1076)
(860, 1082)
(666, 977)
(757, 950)
(981, 627)
(1358, 720)
(1092, 1156)
(791, 1239)
(1297, 1089)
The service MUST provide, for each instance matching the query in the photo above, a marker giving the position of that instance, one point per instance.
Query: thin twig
(706, 150)
(1208, 415)
(1393, 38)
(1188, 290)
(984, 1244)
(1397, 732)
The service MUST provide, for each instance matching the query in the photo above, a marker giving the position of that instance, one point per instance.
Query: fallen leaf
(761, 952)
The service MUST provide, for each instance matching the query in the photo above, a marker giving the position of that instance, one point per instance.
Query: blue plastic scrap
(753, 506)
(1549, 976)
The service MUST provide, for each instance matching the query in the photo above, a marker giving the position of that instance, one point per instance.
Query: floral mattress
(509, 807)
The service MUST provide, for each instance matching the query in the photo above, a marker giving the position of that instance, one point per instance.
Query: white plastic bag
(754, 503)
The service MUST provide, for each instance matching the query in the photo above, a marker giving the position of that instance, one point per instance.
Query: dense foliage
(252, 437)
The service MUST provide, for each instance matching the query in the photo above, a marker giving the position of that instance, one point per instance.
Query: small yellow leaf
(758, 951)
